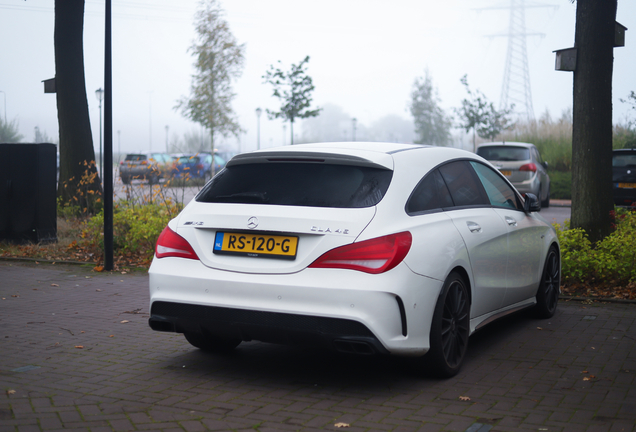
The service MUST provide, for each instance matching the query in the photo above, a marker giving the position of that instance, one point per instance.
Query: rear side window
(463, 184)
(429, 195)
(298, 184)
(499, 192)
(504, 153)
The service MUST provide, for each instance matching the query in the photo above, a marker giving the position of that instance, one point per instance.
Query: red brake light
(199, 166)
(171, 244)
(528, 167)
(374, 256)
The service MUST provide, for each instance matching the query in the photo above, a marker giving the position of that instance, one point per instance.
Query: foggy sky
(365, 55)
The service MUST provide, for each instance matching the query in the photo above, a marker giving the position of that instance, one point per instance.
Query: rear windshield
(624, 160)
(298, 184)
(188, 159)
(504, 153)
(135, 157)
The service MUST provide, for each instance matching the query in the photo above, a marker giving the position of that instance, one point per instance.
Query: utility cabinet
(28, 188)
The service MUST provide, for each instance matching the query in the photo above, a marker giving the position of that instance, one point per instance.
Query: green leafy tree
(294, 89)
(481, 116)
(592, 200)
(219, 59)
(9, 131)
(432, 125)
(77, 173)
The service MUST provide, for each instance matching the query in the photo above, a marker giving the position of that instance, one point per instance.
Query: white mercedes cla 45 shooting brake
(366, 248)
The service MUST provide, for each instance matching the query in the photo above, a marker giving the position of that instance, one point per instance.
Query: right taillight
(374, 256)
(171, 244)
(528, 167)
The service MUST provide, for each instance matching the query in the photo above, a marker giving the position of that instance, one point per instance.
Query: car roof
(507, 143)
(360, 153)
(627, 150)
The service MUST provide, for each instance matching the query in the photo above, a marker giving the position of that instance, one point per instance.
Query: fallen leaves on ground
(10, 392)
(464, 398)
(615, 291)
(342, 425)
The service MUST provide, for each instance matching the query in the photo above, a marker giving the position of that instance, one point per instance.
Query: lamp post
(167, 127)
(258, 128)
(353, 122)
(99, 93)
(5, 106)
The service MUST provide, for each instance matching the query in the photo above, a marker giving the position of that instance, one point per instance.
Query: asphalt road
(556, 214)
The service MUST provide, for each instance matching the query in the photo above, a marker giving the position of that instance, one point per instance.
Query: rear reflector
(374, 256)
(171, 244)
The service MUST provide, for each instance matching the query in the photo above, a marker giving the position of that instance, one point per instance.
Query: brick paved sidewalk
(76, 348)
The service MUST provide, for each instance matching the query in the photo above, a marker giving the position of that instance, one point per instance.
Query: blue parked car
(197, 166)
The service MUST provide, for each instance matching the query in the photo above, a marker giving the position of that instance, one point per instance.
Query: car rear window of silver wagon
(298, 184)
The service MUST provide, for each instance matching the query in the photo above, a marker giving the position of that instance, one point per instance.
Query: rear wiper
(243, 197)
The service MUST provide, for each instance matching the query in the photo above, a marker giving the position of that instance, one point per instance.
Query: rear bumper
(335, 309)
(274, 327)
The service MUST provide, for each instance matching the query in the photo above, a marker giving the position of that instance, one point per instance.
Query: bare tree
(77, 156)
(219, 59)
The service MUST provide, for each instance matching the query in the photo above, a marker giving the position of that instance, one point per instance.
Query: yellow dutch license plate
(506, 172)
(627, 185)
(255, 245)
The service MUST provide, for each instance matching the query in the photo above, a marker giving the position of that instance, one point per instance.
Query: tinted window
(504, 153)
(298, 184)
(624, 160)
(463, 184)
(135, 157)
(499, 192)
(430, 194)
(188, 159)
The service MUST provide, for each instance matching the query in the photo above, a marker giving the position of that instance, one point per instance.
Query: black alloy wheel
(548, 293)
(450, 328)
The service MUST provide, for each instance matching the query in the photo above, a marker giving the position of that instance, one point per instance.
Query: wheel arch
(464, 274)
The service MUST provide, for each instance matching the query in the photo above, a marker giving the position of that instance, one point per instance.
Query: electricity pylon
(515, 87)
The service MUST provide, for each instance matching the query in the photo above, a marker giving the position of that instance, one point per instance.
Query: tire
(548, 292)
(125, 180)
(546, 203)
(211, 344)
(450, 328)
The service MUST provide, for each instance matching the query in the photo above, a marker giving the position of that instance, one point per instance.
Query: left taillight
(528, 167)
(374, 256)
(171, 244)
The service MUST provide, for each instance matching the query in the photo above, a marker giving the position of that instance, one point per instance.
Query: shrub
(560, 184)
(135, 229)
(612, 261)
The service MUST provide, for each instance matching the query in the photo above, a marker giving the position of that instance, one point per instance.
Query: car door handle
(473, 227)
(510, 221)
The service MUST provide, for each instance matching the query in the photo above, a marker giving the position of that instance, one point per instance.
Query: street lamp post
(5, 106)
(258, 128)
(99, 93)
(353, 122)
(167, 128)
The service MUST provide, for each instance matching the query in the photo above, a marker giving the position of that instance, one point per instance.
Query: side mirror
(545, 164)
(531, 203)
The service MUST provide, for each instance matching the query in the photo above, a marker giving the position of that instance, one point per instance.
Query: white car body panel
(442, 242)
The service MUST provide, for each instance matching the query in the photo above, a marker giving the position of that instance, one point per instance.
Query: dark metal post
(108, 144)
